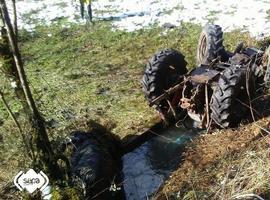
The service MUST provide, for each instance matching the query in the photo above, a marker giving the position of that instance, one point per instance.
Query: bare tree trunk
(8, 68)
(15, 25)
(43, 154)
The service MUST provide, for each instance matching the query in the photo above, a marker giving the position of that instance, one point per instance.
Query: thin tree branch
(16, 123)
(245, 196)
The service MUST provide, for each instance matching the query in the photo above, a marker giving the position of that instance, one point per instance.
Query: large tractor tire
(95, 163)
(227, 108)
(210, 45)
(163, 71)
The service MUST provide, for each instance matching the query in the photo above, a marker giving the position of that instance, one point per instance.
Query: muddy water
(147, 167)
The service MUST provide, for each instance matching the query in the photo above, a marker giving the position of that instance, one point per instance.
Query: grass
(225, 165)
(212, 16)
(96, 72)
(268, 14)
(81, 73)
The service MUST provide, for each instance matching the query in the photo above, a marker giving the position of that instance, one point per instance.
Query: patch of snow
(130, 15)
(41, 12)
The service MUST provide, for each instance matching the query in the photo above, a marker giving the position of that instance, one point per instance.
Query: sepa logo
(31, 181)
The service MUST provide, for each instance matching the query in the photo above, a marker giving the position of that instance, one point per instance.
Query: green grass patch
(95, 71)
(268, 14)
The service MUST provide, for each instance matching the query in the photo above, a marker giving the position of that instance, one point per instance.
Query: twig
(261, 96)
(98, 194)
(207, 106)
(171, 108)
(167, 198)
(16, 123)
(104, 190)
(244, 104)
(209, 126)
(192, 185)
(166, 138)
(10, 111)
(223, 185)
(248, 92)
(166, 93)
(244, 196)
(177, 124)
(262, 128)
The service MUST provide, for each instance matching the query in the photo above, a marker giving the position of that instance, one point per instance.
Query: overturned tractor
(219, 91)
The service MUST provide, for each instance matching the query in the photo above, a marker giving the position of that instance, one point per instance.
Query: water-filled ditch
(147, 167)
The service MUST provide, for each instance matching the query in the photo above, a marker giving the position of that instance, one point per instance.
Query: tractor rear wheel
(210, 45)
(228, 103)
(163, 71)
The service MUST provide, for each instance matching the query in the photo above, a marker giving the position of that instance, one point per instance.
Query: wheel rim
(202, 48)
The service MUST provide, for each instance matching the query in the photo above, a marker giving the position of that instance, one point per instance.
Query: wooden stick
(16, 123)
(171, 108)
(207, 105)
(10, 112)
(166, 93)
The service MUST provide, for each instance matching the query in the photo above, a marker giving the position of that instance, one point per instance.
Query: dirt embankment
(224, 165)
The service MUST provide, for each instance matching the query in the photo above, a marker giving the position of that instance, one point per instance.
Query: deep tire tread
(214, 45)
(157, 69)
(224, 96)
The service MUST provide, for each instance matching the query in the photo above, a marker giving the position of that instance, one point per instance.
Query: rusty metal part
(203, 78)
(239, 59)
(192, 101)
(246, 56)
(167, 93)
(203, 74)
(185, 103)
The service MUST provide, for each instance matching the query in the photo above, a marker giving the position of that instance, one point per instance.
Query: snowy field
(130, 15)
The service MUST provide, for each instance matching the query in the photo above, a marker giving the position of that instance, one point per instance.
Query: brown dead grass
(223, 165)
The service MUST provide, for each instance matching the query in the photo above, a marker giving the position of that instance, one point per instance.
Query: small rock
(102, 91)
(168, 25)
(52, 123)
